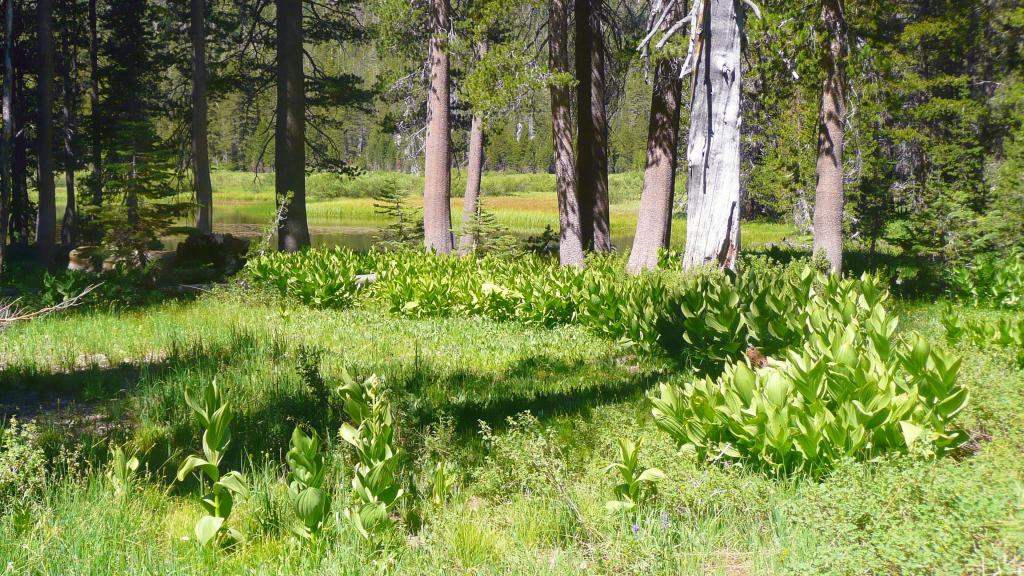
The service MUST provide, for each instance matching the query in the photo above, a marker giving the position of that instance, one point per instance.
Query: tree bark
(200, 144)
(46, 217)
(471, 200)
(829, 194)
(570, 245)
(602, 235)
(474, 172)
(713, 151)
(437, 211)
(7, 142)
(69, 224)
(96, 182)
(290, 129)
(586, 176)
(654, 221)
(21, 208)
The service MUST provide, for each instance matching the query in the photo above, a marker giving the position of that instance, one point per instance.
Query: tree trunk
(437, 211)
(713, 151)
(8, 131)
(570, 245)
(46, 218)
(474, 171)
(200, 145)
(654, 221)
(96, 182)
(471, 200)
(829, 196)
(289, 132)
(586, 176)
(21, 208)
(69, 224)
(602, 238)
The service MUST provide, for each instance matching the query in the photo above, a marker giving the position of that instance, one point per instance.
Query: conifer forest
(567, 287)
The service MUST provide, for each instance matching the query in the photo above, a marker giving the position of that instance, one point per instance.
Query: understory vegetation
(457, 415)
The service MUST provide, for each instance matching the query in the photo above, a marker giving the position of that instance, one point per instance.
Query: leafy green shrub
(630, 310)
(23, 474)
(214, 413)
(990, 279)
(306, 471)
(853, 390)
(524, 459)
(122, 286)
(443, 480)
(322, 278)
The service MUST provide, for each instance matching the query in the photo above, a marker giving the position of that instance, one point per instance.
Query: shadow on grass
(540, 384)
(144, 403)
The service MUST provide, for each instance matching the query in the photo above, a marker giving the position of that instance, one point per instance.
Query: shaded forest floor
(530, 498)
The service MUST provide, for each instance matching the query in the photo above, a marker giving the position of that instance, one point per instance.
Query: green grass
(529, 502)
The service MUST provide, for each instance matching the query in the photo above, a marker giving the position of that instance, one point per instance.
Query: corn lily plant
(853, 390)
(214, 414)
(305, 484)
(636, 482)
(376, 489)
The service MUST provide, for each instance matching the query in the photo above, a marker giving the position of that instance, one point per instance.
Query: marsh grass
(523, 203)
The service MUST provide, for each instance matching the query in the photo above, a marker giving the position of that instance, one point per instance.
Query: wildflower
(636, 529)
(664, 520)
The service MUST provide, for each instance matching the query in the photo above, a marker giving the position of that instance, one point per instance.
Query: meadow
(341, 209)
(525, 418)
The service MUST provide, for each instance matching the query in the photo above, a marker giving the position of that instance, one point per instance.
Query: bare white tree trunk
(713, 153)
(437, 210)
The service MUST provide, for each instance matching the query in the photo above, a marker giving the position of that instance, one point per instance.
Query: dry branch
(10, 313)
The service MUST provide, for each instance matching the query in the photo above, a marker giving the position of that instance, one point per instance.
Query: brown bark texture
(474, 171)
(289, 133)
(69, 223)
(437, 211)
(591, 128)
(602, 232)
(829, 195)
(200, 143)
(46, 217)
(654, 220)
(7, 142)
(96, 182)
(570, 245)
